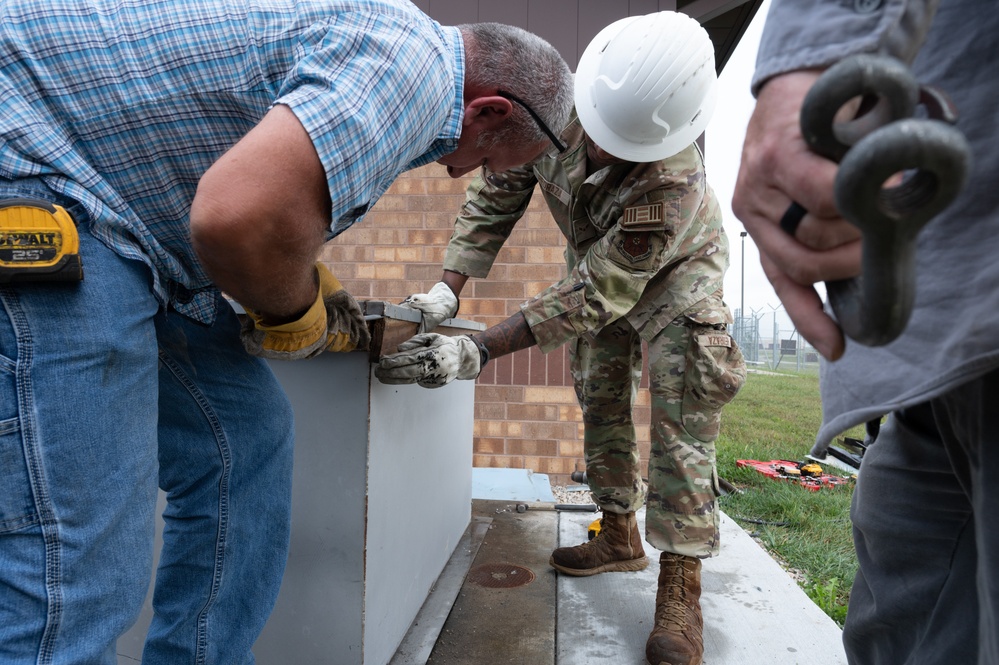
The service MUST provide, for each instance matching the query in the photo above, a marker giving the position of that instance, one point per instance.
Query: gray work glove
(439, 304)
(431, 360)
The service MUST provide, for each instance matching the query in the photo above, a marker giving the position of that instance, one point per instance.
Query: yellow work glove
(334, 322)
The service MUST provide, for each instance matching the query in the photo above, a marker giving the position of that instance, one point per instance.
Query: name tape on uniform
(714, 340)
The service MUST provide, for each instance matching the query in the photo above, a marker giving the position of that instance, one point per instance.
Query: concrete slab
(505, 612)
(418, 643)
(754, 613)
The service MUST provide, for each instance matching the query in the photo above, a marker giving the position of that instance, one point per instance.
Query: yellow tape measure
(38, 243)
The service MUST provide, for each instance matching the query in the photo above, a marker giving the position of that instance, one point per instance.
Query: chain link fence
(768, 343)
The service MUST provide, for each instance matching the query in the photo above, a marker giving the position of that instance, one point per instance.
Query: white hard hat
(646, 86)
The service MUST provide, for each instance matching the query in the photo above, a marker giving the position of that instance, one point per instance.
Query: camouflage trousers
(695, 368)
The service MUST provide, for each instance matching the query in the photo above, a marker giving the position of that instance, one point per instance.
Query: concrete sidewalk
(500, 602)
(754, 613)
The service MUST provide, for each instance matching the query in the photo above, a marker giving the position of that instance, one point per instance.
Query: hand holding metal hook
(883, 140)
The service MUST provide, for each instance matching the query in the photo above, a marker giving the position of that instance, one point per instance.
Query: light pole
(742, 303)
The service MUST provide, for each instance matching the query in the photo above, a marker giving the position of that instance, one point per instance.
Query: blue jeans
(104, 397)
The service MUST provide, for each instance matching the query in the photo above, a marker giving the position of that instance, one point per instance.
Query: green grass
(776, 417)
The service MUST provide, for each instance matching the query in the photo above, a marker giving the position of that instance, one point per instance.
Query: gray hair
(520, 63)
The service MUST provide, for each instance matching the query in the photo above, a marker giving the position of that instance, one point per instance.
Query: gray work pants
(926, 528)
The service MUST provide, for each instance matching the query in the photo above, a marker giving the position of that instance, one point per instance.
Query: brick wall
(526, 415)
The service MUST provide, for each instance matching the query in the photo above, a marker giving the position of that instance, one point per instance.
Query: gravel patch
(575, 494)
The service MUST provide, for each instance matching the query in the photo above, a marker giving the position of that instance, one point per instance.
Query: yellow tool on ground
(812, 470)
(789, 469)
(593, 530)
(38, 243)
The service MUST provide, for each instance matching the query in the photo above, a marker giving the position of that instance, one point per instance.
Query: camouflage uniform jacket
(645, 241)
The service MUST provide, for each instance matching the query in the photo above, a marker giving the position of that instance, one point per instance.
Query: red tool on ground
(808, 475)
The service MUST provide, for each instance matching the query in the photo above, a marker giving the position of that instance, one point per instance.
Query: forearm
(277, 283)
(486, 221)
(256, 229)
(511, 335)
(777, 167)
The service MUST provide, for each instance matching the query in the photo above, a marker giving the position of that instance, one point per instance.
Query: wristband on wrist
(483, 351)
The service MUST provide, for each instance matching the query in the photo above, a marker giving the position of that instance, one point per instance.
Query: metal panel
(570, 24)
(705, 10)
(419, 502)
(726, 30)
(319, 606)
(453, 12)
(511, 12)
(557, 22)
(594, 16)
(381, 495)
(326, 558)
(642, 7)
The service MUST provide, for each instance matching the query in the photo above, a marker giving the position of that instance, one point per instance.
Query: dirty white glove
(439, 304)
(432, 361)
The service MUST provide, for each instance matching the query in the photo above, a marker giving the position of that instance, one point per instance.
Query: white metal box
(381, 496)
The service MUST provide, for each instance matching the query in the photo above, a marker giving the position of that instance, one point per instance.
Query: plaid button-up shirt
(122, 106)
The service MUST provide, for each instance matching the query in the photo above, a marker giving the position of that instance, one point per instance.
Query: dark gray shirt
(953, 336)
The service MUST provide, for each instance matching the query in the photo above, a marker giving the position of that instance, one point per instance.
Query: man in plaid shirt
(202, 147)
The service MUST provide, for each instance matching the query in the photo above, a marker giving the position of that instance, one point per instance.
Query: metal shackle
(874, 308)
(882, 142)
(887, 92)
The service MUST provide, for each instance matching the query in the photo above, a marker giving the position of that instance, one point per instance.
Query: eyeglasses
(541, 123)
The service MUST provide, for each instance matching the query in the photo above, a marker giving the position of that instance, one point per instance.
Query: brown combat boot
(618, 547)
(676, 638)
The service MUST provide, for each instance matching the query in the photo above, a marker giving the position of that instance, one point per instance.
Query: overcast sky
(723, 145)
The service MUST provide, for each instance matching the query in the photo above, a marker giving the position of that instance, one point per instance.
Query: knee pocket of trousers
(715, 372)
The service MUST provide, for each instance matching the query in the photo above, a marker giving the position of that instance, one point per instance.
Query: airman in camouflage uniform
(646, 256)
